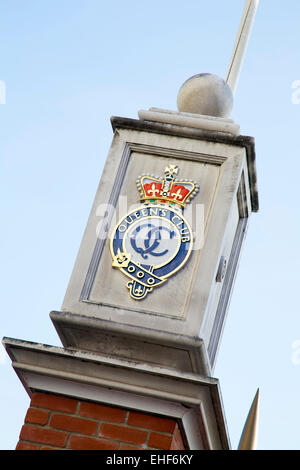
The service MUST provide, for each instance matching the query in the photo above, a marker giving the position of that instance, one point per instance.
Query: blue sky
(70, 65)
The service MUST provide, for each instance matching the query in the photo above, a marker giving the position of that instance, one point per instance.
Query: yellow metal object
(121, 260)
(249, 436)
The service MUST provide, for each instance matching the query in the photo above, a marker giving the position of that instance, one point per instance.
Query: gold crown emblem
(166, 190)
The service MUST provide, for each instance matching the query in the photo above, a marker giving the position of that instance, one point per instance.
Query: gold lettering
(176, 217)
(130, 220)
(153, 211)
(122, 228)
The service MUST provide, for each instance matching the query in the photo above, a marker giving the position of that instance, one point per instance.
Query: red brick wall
(56, 422)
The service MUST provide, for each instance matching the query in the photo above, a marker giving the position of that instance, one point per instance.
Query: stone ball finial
(207, 94)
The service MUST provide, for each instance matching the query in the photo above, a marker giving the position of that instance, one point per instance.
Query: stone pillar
(140, 340)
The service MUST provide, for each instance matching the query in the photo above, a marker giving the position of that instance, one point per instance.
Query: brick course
(37, 416)
(103, 412)
(56, 422)
(123, 433)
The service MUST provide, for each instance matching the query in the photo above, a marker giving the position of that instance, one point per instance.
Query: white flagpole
(241, 43)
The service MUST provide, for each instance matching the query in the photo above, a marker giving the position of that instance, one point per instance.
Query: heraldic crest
(154, 241)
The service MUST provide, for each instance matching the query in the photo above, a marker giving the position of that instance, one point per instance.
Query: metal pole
(241, 43)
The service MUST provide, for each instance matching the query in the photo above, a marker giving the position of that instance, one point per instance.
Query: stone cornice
(193, 399)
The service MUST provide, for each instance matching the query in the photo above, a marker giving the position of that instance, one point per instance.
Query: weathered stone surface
(98, 312)
(205, 93)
